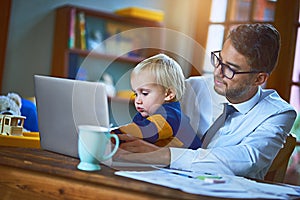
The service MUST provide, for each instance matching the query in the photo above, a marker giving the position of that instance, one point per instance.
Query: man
(252, 135)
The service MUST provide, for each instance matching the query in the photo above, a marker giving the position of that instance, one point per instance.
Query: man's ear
(261, 78)
(170, 94)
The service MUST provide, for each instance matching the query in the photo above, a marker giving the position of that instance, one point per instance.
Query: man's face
(242, 86)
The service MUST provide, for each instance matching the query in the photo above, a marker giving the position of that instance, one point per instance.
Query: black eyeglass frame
(223, 65)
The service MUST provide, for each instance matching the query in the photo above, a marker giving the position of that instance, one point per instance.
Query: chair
(279, 165)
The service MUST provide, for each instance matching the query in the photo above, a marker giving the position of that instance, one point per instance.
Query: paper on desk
(234, 187)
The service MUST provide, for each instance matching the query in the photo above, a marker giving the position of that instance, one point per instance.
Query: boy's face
(148, 94)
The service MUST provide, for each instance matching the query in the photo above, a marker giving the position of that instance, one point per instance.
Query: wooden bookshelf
(4, 21)
(63, 54)
(85, 53)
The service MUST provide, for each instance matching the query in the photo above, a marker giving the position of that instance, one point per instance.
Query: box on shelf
(148, 14)
(126, 94)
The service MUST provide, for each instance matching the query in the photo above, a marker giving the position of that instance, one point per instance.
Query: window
(295, 88)
(227, 13)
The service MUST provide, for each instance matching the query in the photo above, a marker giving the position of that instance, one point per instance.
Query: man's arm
(137, 150)
(251, 157)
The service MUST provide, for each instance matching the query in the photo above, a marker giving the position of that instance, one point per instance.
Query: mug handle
(115, 148)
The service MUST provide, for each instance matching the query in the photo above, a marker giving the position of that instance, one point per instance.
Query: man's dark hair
(259, 43)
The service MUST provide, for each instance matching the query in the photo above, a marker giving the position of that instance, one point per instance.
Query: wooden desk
(37, 174)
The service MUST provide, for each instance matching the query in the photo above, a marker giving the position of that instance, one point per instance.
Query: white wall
(29, 47)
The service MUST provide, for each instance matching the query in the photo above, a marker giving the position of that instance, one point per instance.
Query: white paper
(233, 187)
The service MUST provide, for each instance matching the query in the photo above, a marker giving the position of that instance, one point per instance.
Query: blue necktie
(228, 109)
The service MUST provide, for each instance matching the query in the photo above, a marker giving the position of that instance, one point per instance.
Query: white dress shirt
(201, 103)
(248, 142)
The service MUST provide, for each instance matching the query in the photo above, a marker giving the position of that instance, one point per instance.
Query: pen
(172, 172)
(207, 177)
(181, 174)
(203, 177)
(211, 180)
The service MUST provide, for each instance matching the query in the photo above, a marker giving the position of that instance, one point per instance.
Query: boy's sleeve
(132, 129)
(151, 129)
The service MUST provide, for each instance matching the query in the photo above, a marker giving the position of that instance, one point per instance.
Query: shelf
(86, 53)
(28, 139)
(67, 47)
(120, 99)
(123, 19)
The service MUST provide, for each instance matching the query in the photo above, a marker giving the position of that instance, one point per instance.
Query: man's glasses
(227, 71)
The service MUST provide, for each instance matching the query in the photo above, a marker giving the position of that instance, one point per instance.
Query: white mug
(92, 145)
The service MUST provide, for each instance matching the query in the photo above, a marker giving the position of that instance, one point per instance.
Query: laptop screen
(63, 105)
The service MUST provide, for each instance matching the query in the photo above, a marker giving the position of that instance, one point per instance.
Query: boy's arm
(152, 129)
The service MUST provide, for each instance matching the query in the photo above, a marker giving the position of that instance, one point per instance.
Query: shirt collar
(248, 105)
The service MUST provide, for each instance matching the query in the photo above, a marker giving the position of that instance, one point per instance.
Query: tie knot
(229, 109)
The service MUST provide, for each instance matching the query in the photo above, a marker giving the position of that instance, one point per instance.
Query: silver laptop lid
(62, 105)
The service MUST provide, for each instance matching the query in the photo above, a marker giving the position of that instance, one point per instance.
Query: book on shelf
(82, 31)
(88, 34)
(72, 28)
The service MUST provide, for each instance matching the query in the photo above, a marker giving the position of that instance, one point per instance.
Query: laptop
(63, 105)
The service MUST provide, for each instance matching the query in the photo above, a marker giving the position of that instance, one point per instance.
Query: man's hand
(136, 150)
(136, 145)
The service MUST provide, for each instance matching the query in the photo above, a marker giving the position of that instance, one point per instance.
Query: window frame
(286, 23)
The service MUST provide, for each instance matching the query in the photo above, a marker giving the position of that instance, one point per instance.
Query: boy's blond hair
(167, 71)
